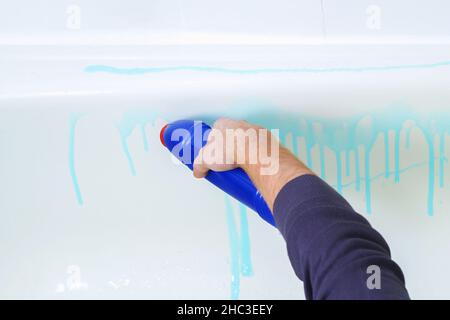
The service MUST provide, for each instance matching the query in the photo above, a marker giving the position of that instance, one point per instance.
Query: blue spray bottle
(178, 137)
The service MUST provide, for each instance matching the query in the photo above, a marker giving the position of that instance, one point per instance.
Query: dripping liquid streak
(386, 153)
(246, 263)
(234, 250)
(72, 127)
(126, 151)
(357, 172)
(367, 180)
(382, 174)
(430, 175)
(145, 70)
(240, 257)
(397, 156)
(339, 171)
(441, 159)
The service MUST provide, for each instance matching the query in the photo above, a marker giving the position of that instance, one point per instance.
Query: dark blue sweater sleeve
(333, 249)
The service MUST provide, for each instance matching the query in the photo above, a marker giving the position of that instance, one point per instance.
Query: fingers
(203, 163)
(200, 168)
(227, 123)
(211, 156)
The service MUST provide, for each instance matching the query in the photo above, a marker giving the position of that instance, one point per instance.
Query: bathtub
(92, 206)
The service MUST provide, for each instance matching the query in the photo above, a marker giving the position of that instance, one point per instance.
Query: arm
(332, 249)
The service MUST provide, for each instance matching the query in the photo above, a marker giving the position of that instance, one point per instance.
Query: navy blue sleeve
(332, 248)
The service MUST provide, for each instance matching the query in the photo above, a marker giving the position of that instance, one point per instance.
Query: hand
(236, 143)
(215, 155)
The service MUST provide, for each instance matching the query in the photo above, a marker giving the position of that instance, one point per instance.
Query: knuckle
(219, 123)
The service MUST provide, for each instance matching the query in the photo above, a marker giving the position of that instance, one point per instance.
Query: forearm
(333, 249)
(269, 185)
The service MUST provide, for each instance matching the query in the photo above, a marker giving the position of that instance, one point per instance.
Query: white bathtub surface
(91, 204)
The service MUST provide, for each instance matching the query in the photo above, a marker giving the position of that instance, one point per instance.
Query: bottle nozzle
(161, 135)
